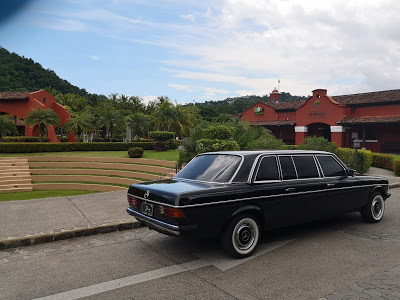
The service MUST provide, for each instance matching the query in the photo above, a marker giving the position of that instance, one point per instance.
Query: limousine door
(343, 192)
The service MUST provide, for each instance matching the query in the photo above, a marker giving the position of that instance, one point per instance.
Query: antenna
(279, 81)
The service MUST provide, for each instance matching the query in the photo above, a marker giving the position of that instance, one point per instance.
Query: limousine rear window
(211, 168)
(305, 166)
(288, 170)
(268, 169)
(330, 167)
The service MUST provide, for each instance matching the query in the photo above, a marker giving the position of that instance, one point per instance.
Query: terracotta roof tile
(369, 98)
(14, 96)
(274, 122)
(371, 120)
(290, 105)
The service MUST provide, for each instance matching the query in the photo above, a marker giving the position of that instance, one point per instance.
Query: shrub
(318, 143)
(161, 135)
(175, 144)
(290, 147)
(60, 147)
(135, 152)
(364, 159)
(161, 145)
(267, 141)
(397, 168)
(383, 161)
(213, 145)
(23, 139)
(219, 132)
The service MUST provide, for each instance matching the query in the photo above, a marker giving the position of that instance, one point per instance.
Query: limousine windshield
(211, 168)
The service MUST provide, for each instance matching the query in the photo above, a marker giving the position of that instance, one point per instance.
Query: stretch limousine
(236, 195)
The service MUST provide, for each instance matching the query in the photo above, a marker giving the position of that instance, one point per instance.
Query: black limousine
(236, 195)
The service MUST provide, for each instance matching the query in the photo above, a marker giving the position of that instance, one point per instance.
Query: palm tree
(42, 118)
(6, 126)
(165, 116)
(137, 124)
(80, 124)
(110, 119)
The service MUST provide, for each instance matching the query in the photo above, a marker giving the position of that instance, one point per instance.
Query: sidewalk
(30, 222)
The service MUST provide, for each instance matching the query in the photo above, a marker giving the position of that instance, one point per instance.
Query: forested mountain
(237, 105)
(19, 74)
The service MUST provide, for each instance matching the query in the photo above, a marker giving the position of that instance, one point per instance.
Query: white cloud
(147, 99)
(189, 17)
(94, 57)
(180, 87)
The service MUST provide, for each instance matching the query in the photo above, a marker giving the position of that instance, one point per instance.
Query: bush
(383, 161)
(65, 147)
(290, 147)
(161, 145)
(135, 152)
(318, 143)
(397, 168)
(23, 139)
(161, 135)
(267, 141)
(213, 145)
(219, 132)
(175, 144)
(364, 159)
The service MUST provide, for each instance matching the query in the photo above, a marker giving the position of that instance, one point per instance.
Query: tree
(138, 124)
(165, 116)
(109, 120)
(7, 126)
(42, 118)
(80, 124)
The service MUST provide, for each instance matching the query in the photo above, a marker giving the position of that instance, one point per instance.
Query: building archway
(319, 130)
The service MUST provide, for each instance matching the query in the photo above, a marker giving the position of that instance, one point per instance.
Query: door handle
(330, 184)
(290, 190)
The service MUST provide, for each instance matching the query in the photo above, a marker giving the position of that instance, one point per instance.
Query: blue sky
(211, 50)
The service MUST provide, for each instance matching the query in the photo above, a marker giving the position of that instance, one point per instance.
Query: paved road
(340, 259)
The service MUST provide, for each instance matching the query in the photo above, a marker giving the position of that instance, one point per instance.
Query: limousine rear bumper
(161, 226)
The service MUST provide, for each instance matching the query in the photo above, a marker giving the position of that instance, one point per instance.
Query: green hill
(19, 74)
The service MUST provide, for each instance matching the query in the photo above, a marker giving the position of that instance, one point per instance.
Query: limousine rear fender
(253, 209)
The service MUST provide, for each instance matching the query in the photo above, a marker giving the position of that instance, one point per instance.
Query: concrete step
(14, 171)
(2, 159)
(76, 186)
(83, 178)
(4, 164)
(14, 175)
(15, 190)
(15, 186)
(16, 181)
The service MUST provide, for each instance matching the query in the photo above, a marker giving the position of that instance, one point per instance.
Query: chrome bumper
(160, 226)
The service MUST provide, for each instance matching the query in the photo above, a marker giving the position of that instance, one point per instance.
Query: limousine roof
(258, 152)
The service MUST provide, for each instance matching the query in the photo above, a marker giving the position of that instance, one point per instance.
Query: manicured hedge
(135, 152)
(175, 144)
(61, 147)
(161, 135)
(397, 168)
(364, 158)
(22, 139)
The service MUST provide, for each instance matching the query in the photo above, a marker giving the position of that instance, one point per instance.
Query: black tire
(240, 237)
(374, 210)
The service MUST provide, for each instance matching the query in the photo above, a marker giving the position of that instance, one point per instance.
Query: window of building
(305, 166)
(268, 169)
(330, 167)
(288, 169)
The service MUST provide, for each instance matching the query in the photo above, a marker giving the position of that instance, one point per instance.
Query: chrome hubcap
(245, 235)
(377, 207)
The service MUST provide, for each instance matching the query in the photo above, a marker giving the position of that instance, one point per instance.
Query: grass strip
(42, 194)
(84, 182)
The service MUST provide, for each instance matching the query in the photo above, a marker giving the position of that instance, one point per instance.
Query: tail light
(133, 202)
(172, 212)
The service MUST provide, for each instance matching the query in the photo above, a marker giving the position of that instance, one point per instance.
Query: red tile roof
(290, 105)
(14, 96)
(369, 98)
(274, 122)
(371, 120)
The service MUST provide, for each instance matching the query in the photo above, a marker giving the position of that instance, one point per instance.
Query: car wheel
(240, 237)
(375, 208)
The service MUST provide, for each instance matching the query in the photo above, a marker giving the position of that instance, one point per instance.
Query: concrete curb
(394, 185)
(64, 234)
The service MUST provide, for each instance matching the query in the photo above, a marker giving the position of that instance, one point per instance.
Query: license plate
(147, 209)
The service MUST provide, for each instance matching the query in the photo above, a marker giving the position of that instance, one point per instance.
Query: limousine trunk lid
(166, 191)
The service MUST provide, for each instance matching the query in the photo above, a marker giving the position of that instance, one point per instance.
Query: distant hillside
(19, 74)
(238, 105)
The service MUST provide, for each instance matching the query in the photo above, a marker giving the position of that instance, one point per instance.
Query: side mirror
(351, 172)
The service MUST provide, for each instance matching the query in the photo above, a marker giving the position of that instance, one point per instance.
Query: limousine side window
(305, 166)
(288, 170)
(330, 166)
(268, 169)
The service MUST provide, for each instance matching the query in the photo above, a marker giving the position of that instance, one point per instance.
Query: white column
(337, 129)
(300, 129)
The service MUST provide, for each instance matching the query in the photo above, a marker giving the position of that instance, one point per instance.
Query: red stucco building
(21, 103)
(367, 120)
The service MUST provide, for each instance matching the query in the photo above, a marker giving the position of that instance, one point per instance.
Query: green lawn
(171, 155)
(41, 194)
